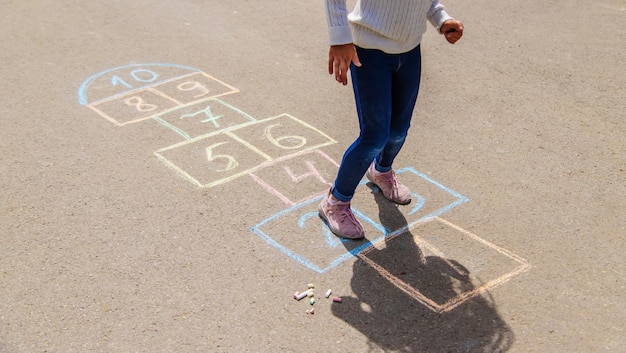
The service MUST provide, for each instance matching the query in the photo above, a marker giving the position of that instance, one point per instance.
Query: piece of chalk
(311, 285)
(328, 293)
(312, 301)
(312, 311)
(295, 295)
(303, 295)
(311, 294)
(337, 299)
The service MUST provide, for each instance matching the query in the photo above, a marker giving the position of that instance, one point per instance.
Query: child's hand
(339, 59)
(452, 30)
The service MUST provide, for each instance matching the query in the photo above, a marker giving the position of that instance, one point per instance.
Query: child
(379, 42)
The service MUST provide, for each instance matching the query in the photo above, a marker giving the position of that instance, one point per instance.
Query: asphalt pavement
(161, 165)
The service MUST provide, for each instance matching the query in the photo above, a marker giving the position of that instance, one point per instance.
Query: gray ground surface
(119, 234)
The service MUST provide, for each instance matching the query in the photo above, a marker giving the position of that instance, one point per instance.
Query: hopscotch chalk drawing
(133, 93)
(220, 143)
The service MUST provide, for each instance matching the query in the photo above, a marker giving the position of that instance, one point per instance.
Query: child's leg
(405, 86)
(372, 85)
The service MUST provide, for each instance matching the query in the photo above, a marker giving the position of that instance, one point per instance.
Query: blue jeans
(385, 91)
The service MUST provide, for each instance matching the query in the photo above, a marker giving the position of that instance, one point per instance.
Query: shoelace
(345, 212)
(391, 178)
(392, 181)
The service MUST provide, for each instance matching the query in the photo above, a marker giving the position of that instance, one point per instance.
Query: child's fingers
(337, 71)
(340, 69)
(355, 60)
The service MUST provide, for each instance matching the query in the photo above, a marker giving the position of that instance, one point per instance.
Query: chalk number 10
(140, 75)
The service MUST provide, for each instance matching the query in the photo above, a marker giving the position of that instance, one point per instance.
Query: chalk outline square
(451, 304)
(231, 131)
(174, 127)
(300, 258)
(280, 194)
(460, 199)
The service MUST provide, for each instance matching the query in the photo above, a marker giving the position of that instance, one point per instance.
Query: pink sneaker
(340, 219)
(387, 182)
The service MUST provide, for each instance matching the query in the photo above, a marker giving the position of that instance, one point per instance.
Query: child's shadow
(395, 320)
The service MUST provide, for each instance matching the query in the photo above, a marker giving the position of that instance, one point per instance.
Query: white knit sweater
(393, 26)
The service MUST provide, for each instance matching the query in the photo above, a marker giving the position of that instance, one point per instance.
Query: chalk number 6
(297, 141)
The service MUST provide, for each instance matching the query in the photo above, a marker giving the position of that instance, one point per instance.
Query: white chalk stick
(303, 295)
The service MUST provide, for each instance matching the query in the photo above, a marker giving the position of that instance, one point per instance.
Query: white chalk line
(460, 299)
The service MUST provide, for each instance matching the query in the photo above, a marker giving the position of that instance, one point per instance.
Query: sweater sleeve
(437, 14)
(338, 27)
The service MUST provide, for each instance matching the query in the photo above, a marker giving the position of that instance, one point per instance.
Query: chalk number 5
(231, 163)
